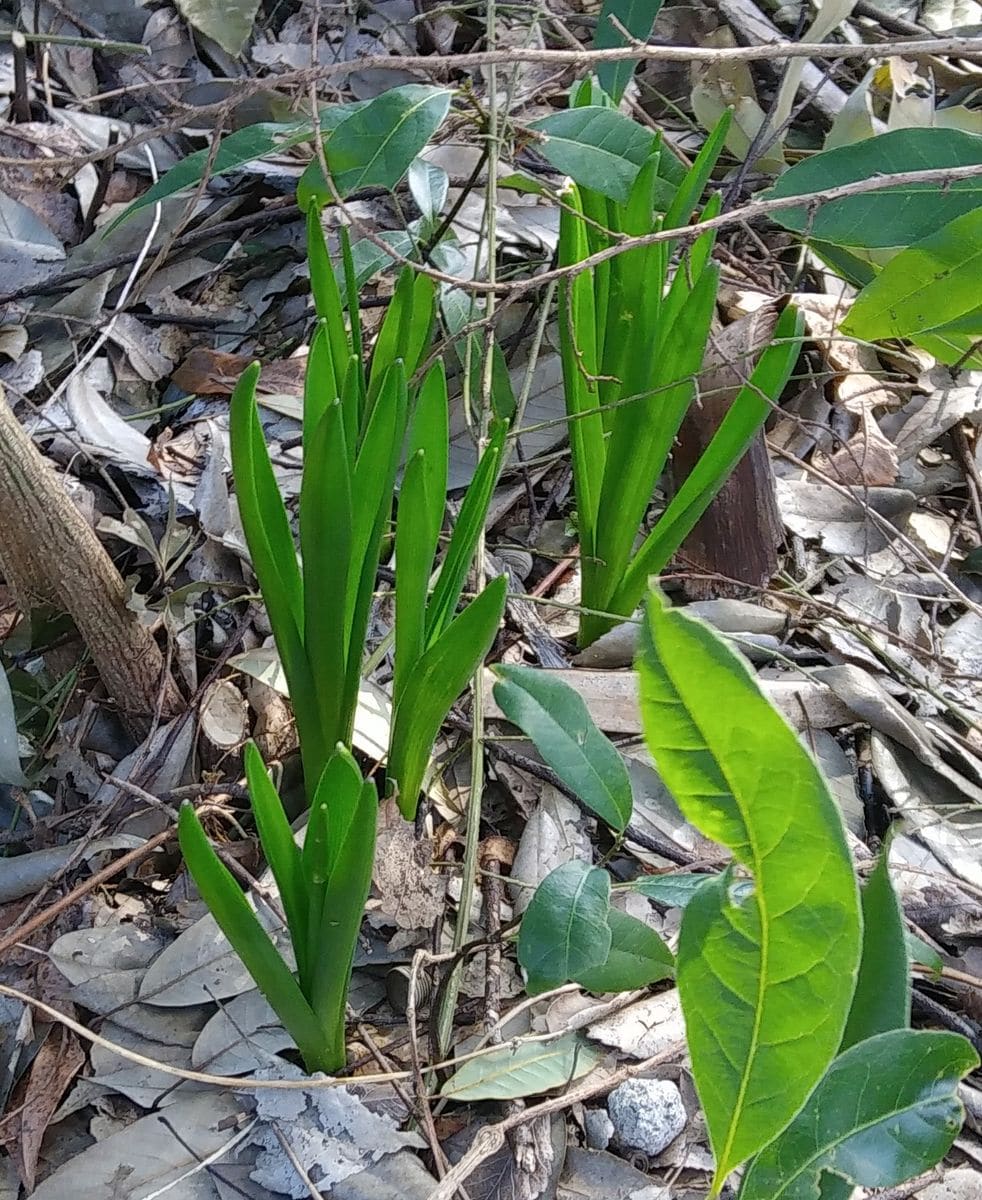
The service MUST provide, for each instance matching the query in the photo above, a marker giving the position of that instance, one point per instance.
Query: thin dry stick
(442, 66)
(235, 1083)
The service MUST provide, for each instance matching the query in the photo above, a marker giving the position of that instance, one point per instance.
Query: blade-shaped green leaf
(523, 1070)
(407, 327)
(249, 940)
(429, 431)
(578, 329)
(690, 192)
(320, 386)
(463, 541)
(376, 144)
(439, 678)
(274, 560)
(641, 439)
(281, 851)
(598, 148)
(885, 216)
(565, 930)
(887, 1109)
(751, 960)
(638, 18)
(931, 283)
(637, 957)
(745, 416)
(352, 815)
(415, 548)
(555, 717)
(326, 518)
(327, 302)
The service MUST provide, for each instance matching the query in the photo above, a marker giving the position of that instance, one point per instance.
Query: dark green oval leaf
(556, 719)
(637, 957)
(675, 891)
(882, 997)
(565, 930)
(887, 1109)
(375, 146)
(598, 148)
(638, 18)
(887, 216)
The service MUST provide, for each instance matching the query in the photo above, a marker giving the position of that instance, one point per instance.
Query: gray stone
(647, 1114)
(599, 1128)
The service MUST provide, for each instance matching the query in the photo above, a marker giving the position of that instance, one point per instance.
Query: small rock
(646, 1114)
(599, 1128)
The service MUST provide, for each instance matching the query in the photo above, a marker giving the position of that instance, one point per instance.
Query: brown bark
(735, 543)
(49, 554)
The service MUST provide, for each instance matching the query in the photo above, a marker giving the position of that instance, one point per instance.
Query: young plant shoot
(357, 427)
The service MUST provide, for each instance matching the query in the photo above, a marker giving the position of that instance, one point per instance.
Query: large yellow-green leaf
(766, 965)
(931, 283)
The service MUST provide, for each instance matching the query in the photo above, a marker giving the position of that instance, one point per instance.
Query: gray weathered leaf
(525, 1069)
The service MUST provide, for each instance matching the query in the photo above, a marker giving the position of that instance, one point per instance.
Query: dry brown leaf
(857, 367)
(213, 373)
(868, 459)
(37, 1097)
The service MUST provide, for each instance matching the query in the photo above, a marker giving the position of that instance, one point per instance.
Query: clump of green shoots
(633, 338)
(358, 427)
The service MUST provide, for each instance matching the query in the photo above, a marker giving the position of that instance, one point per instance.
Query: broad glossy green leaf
(887, 216)
(598, 148)
(235, 150)
(637, 957)
(638, 18)
(281, 851)
(675, 891)
(565, 930)
(751, 960)
(881, 1001)
(745, 416)
(882, 998)
(440, 676)
(554, 716)
(249, 940)
(887, 1109)
(931, 283)
(523, 1070)
(375, 146)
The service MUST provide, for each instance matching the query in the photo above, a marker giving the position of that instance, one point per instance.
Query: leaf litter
(869, 645)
